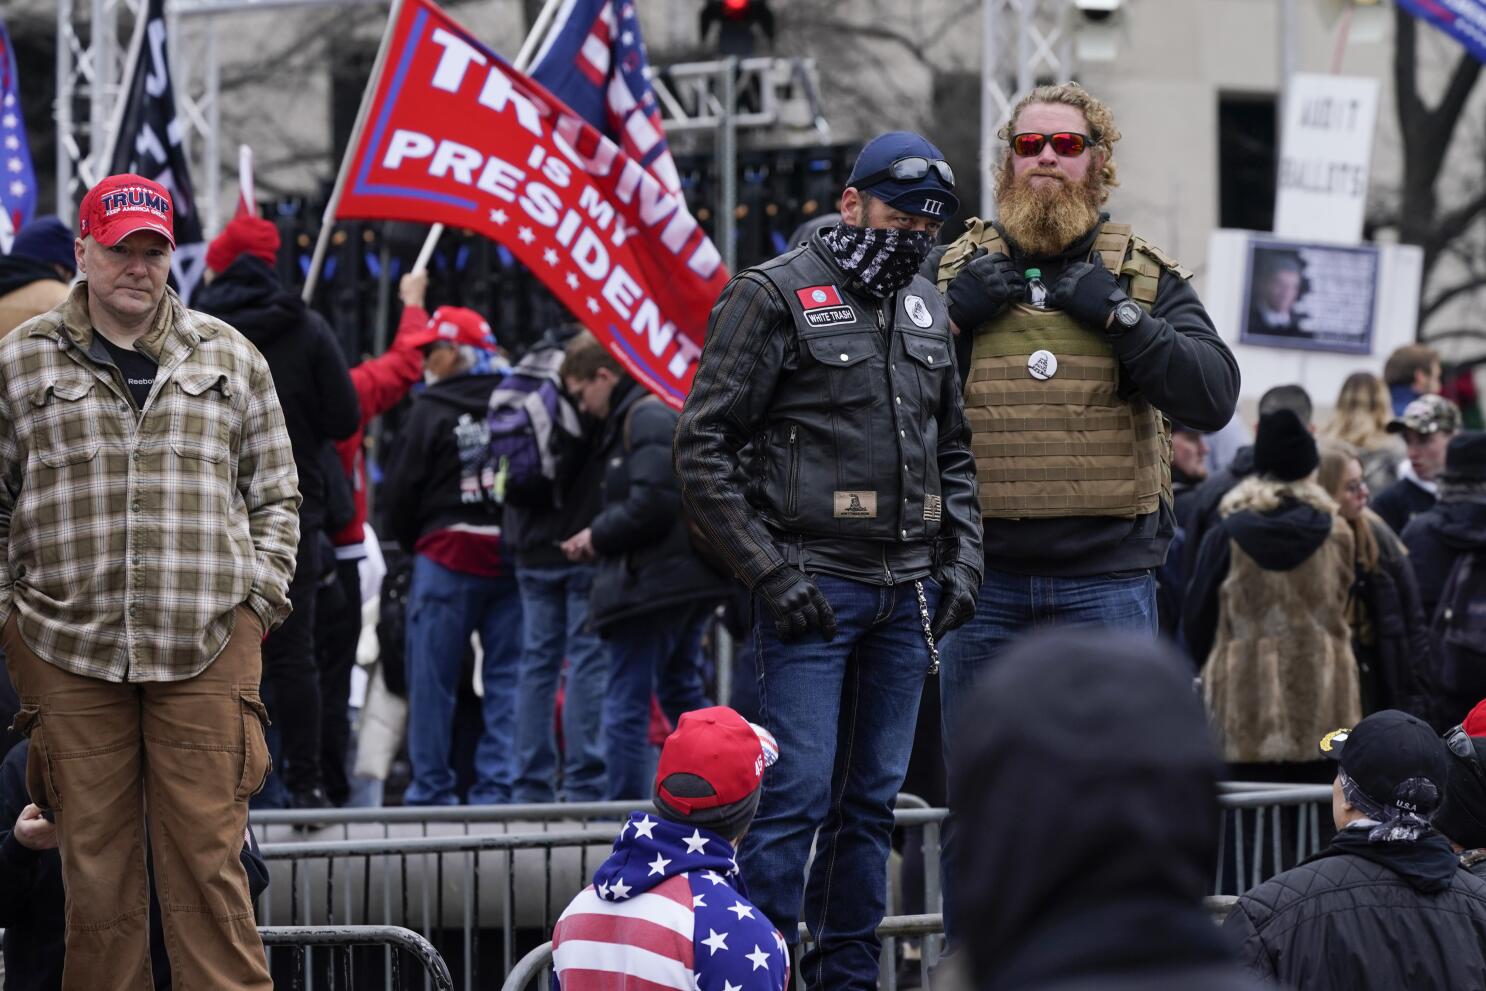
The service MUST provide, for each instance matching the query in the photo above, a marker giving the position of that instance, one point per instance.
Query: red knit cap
(243, 236)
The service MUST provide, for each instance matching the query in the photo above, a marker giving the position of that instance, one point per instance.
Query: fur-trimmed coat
(1267, 611)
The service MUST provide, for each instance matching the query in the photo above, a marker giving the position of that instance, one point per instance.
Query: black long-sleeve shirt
(1176, 360)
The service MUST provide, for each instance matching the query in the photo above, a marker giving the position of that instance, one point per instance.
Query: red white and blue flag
(611, 89)
(1463, 20)
(17, 177)
(454, 135)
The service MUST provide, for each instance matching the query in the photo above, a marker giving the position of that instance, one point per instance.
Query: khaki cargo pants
(189, 753)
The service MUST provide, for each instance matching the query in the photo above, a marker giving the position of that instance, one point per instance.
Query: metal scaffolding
(1024, 42)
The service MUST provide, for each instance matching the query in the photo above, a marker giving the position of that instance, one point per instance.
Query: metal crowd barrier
(341, 968)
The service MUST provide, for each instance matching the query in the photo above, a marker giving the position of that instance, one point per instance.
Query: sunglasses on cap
(1068, 144)
(910, 169)
(1460, 744)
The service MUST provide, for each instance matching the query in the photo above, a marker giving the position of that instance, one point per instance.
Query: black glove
(984, 289)
(796, 603)
(1089, 292)
(959, 588)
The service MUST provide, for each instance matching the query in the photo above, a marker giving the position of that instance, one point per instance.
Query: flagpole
(130, 65)
(523, 57)
(327, 220)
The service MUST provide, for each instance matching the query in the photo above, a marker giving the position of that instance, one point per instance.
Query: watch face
(1128, 313)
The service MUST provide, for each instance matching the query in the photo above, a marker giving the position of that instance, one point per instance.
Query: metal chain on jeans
(923, 613)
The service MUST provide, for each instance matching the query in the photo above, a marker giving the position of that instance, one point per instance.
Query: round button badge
(1042, 365)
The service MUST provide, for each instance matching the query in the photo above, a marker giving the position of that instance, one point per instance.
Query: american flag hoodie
(667, 909)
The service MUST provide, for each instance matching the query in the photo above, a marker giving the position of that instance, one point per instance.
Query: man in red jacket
(381, 383)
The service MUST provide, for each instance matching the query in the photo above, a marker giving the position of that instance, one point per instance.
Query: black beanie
(1283, 448)
(1462, 815)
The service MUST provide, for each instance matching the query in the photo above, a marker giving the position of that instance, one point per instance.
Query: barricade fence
(353, 958)
(485, 884)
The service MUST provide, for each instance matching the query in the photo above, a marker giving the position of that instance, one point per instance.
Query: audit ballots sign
(454, 135)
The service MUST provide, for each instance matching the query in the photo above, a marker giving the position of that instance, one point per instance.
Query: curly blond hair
(1102, 130)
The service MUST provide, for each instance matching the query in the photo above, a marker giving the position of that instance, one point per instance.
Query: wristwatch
(1126, 315)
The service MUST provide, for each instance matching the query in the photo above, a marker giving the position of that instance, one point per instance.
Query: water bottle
(1036, 291)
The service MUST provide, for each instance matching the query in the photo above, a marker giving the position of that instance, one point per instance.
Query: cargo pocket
(256, 762)
(39, 783)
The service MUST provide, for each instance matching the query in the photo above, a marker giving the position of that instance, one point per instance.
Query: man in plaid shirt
(148, 525)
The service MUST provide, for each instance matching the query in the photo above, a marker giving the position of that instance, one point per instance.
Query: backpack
(700, 543)
(1458, 631)
(530, 418)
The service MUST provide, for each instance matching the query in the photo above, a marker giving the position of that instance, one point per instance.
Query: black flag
(149, 144)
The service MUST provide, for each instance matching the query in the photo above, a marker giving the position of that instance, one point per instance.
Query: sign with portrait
(1312, 297)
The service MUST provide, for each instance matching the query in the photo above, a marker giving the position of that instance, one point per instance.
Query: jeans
(444, 608)
(193, 751)
(554, 607)
(843, 713)
(1009, 607)
(655, 654)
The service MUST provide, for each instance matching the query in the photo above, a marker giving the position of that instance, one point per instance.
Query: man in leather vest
(1070, 403)
(852, 519)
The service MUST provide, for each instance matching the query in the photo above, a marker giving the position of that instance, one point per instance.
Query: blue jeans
(554, 608)
(843, 713)
(444, 608)
(1009, 607)
(655, 654)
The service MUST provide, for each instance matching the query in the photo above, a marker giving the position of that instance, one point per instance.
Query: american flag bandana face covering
(881, 260)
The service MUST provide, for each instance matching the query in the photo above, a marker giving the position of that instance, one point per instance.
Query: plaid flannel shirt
(128, 537)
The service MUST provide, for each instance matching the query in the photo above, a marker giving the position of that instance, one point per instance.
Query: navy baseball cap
(1395, 758)
(931, 194)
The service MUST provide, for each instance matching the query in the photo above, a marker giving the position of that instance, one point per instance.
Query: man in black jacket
(554, 609)
(320, 405)
(1462, 815)
(437, 503)
(1100, 738)
(1427, 424)
(1386, 905)
(852, 513)
(652, 594)
(1437, 540)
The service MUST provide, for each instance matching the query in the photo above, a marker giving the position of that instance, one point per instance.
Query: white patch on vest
(831, 316)
(1042, 365)
(855, 505)
(918, 311)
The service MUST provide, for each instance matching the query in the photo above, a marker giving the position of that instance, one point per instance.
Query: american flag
(611, 89)
(17, 178)
(668, 909)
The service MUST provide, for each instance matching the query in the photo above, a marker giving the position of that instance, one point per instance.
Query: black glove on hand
(959, 588)
(1090, 292)
(984, 289)
(796, 603)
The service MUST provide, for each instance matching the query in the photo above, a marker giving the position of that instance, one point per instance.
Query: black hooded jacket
(432, 479)
(1087, 791)
(309, 371)
(1359, 916)
(1281, 540)
(1202, 512)
(16, 272)
(1436, 539)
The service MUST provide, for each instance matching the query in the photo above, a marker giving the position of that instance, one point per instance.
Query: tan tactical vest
(1066, 445)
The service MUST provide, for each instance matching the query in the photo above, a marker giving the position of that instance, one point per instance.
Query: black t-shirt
(138, 368)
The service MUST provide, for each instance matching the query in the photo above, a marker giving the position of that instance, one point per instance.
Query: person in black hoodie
(438, 503)
(320, 405)
(554, 606)
(1462, 815)
(32, 899)
(652, 594)
(1437, 540)
(1386, 905)
(1088, 783)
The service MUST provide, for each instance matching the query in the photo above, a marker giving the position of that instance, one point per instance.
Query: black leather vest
(851, 446)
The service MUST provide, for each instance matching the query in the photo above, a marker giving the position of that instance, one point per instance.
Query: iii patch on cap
(925, 186)
(122, 204)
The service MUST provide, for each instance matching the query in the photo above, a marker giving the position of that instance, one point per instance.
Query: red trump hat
(454, 325)
(711, 768)
(122, 204)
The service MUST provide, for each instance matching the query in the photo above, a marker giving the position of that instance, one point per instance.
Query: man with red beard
(1070, 401)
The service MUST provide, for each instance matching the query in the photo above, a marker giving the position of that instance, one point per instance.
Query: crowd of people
(898, 457)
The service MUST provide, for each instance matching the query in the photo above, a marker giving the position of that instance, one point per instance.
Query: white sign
(1325, 152)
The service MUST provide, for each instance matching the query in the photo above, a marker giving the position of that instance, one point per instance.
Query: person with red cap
(148, 525)
(320, 406)
(439, 504)
(669, 908)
